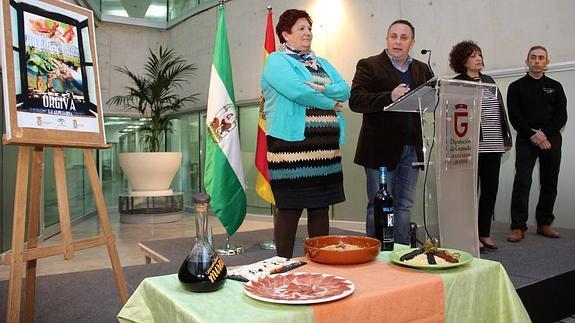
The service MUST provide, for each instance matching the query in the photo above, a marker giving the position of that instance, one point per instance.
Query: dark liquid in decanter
(202, 276)
(203, 270)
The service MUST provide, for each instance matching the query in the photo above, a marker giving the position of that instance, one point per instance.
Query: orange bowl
(315, 250)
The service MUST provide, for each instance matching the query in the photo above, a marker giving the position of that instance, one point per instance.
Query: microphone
(423, 52)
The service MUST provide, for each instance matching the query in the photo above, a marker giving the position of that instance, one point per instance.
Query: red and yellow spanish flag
(263, 188)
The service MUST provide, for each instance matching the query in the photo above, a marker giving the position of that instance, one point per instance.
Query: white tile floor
(128, 236)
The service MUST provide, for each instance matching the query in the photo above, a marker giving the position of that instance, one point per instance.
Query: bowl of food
(341, 250)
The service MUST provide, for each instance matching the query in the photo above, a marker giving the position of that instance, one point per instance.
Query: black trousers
(549, 164)
(488, 175)
(285, 227)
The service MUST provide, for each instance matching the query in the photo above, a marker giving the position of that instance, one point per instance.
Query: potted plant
(153, 94)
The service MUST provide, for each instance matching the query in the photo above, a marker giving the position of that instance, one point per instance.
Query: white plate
(274, 288)
(464, 258)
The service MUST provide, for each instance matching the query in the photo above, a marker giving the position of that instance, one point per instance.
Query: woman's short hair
(288, 19)
(460, 53)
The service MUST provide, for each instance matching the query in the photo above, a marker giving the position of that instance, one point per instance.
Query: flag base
(230, 250)
(268, 245)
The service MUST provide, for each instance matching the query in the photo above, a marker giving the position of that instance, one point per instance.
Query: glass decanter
(203, 270)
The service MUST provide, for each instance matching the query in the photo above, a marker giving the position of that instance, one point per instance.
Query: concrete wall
(346, 30)
(122, 45)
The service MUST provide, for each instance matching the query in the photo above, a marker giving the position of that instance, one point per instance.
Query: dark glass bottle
(203, 270)
(413, 234)
(383, 213)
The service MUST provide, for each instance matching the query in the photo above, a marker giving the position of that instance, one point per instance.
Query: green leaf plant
(153, 94)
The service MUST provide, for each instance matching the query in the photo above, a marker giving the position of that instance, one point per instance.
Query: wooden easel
(29, 254)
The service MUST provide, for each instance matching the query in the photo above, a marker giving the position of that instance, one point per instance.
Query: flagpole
(269, 244)
(223, 155)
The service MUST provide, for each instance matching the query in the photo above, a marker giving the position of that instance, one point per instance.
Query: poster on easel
(50, 75)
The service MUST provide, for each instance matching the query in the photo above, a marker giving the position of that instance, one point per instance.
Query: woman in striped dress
(466, 58)
(303, 96)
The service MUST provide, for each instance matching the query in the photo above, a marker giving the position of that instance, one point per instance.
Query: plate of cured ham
(299, 288)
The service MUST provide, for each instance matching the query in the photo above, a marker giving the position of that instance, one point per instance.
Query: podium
(450, 112)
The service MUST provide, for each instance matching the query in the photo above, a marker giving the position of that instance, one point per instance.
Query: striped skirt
(307, 173)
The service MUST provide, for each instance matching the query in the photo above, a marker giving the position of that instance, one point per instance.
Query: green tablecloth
(161, 299)
(477, 292)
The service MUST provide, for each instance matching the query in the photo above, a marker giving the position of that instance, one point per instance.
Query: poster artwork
(55, 95)
(50, 82)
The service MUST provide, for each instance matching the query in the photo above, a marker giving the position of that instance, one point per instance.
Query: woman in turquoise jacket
(303, 98)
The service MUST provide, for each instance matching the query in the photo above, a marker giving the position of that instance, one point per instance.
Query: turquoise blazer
(286, 96)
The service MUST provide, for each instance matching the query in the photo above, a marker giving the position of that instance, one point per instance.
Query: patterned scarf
(308, 57)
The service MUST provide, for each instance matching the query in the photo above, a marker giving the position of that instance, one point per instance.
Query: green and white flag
(224, 173)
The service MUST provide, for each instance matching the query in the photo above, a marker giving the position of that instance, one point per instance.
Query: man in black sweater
(537, 110)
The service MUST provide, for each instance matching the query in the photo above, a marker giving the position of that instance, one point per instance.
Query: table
(477, 292)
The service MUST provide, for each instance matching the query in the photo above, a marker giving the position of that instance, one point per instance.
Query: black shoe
(488, 245)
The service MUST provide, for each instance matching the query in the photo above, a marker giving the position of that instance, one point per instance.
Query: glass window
(203, 135)
(179, 8)
(122, 136)
(186, 138)
(153, 10)
(111, 176)
(80, 196)
(9, 157)
(248, 119)
(156, 13)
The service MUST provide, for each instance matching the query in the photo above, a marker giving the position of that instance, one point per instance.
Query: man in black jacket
(537, 110)
(391, 139)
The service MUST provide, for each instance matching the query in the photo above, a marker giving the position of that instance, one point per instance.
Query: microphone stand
(423, 52)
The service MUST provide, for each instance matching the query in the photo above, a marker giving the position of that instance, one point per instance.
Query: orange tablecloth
(384, 293)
